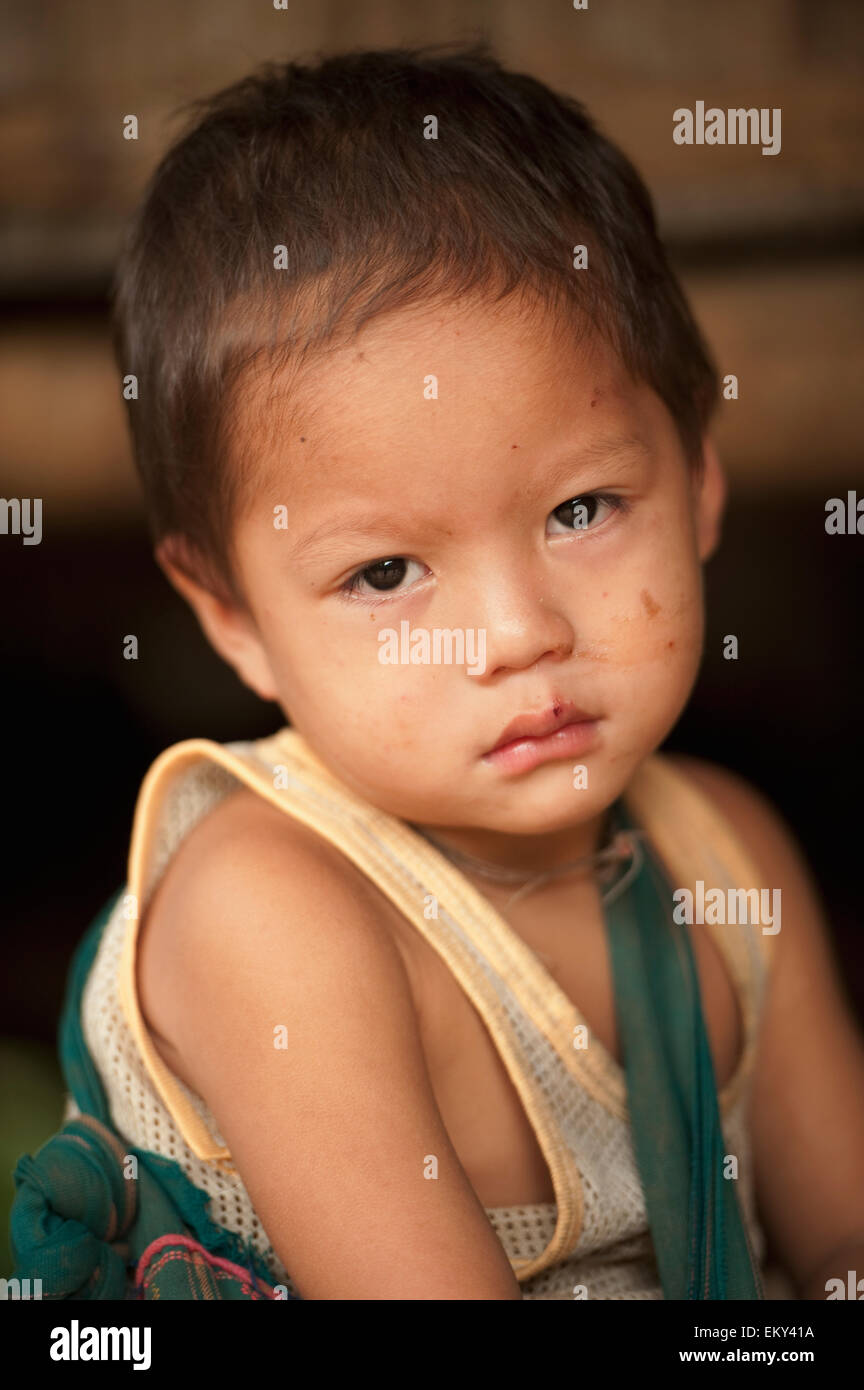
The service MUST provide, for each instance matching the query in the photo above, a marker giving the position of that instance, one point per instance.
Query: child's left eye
(580, 513)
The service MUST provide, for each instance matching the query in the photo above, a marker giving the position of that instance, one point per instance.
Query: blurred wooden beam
(792, 336)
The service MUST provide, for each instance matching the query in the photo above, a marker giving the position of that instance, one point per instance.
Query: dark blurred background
(769, 249)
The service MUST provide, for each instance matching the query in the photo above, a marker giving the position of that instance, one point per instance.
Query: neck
(531, 854)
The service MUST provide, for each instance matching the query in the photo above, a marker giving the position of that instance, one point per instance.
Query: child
(406, 989)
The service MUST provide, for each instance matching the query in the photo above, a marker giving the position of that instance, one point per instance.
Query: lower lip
(523, 754)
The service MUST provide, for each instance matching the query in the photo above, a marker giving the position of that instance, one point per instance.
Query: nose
(523, 625)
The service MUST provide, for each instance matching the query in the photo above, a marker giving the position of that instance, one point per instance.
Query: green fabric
(81, 1225)
(695, 1220)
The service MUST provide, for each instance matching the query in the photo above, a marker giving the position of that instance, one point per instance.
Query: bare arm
(260, 939)
(807, 1108)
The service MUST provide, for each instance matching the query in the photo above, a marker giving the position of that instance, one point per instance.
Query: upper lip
(542, 722)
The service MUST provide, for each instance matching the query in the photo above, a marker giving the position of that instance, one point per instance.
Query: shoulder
(253, 894)
(246, 850)
(727, 790)
(802, 950)
(769, 839)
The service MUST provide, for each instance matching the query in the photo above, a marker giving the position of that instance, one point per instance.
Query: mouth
(562, 731)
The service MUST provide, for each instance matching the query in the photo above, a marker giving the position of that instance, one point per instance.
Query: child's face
(468, 488)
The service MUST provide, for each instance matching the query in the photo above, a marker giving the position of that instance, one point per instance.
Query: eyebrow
(620, 452)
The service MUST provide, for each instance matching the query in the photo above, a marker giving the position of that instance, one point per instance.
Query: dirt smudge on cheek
(594, 651)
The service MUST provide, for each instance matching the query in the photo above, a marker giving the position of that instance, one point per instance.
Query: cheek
(336, 687)
(654, 616)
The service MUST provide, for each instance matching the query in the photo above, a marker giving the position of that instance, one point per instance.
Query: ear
(710, 501)
(227, 625)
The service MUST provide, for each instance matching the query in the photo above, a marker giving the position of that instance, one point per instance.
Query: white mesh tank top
(595, 1234)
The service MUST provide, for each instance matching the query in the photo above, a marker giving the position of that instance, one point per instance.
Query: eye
(580, 513)
(383, 576)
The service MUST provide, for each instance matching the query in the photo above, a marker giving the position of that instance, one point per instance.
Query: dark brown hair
(330, 161)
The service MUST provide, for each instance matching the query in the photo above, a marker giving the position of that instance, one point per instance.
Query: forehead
(442, 394)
